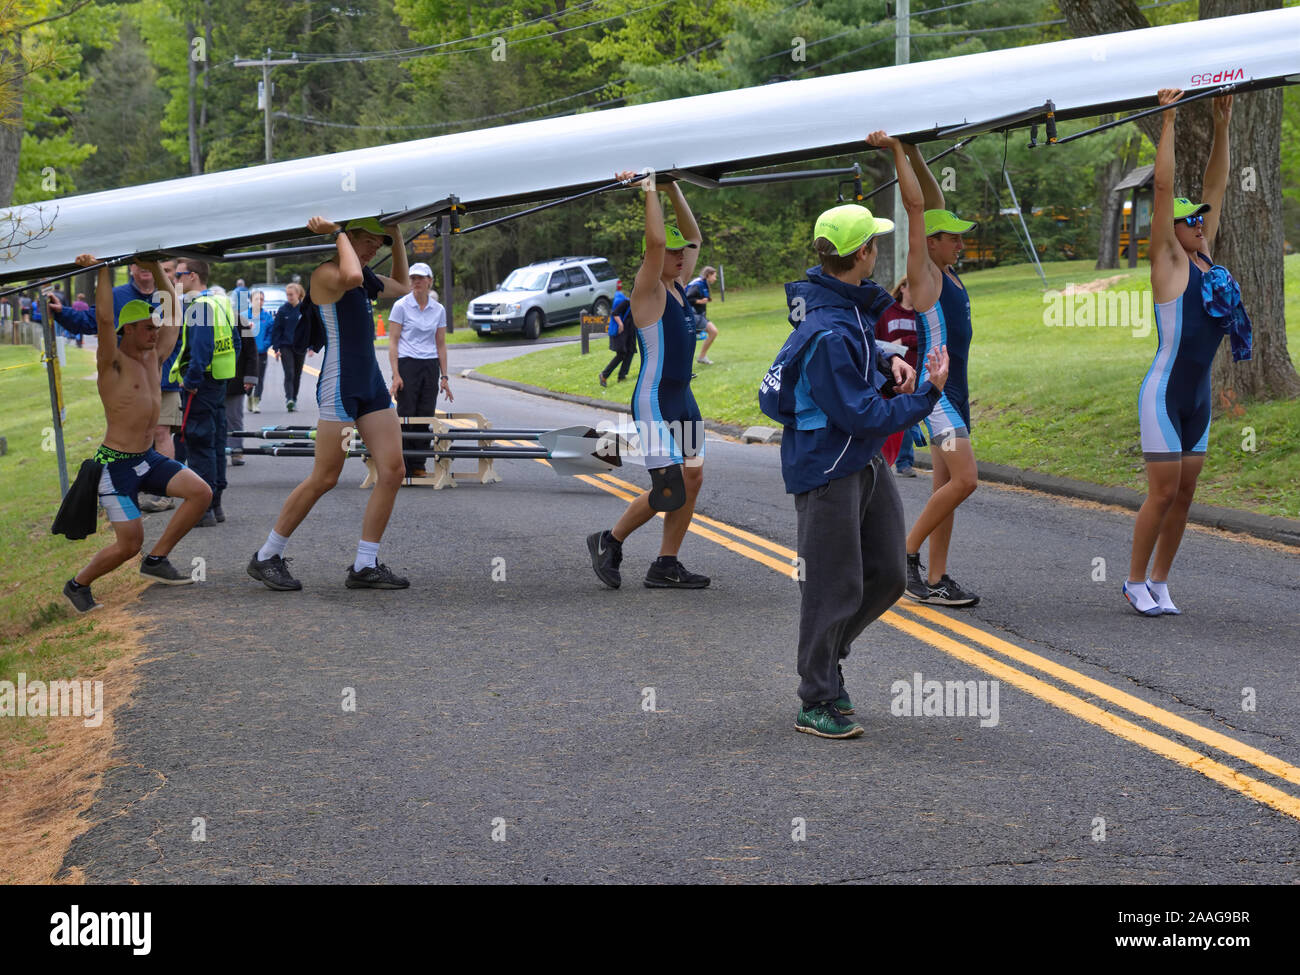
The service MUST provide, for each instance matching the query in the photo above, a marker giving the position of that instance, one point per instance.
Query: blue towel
(1221, 298)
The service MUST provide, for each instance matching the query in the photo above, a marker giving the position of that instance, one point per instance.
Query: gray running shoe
(377, 576)
(163, 571)
(154, 504)
(80, 597)
(946, 592)
(273, 573)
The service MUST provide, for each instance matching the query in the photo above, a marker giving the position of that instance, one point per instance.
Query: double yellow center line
(963, 646)
(1013, 665)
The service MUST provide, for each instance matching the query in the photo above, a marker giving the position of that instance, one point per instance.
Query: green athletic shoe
(842, 703)
(826, 721)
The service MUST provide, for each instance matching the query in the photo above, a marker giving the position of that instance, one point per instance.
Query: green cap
(946, 222)
(676, 241)
(850, 226)
(134, 310)
(370, 225)
(1184, 207)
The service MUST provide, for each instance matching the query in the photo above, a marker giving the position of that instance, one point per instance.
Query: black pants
(625, 357)
(205, 434)
(291, 360)
(417, 397)
(852, 539)
(261, 374)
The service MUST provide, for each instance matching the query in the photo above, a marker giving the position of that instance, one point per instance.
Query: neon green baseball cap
(850, 226)
(676, 241)
(371, 226)
(946, 222)
(134, 310)
(1184, 207)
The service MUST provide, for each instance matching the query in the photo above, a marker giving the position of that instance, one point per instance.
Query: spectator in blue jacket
(622, 338)
(850, 517)
(289, 335)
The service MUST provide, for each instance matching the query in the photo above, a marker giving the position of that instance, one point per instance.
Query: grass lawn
(40, 635)
(1059, 400)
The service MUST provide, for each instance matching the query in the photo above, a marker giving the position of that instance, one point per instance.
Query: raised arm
(330, 281)
(689, 229)
(106, 332)
(929, 185)
(399, 283)
(646, 294)
(923, 275)
(1215, 183)
(169, 308)
(1165, 252)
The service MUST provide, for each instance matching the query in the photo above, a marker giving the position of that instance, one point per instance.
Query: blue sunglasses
(1195, 221)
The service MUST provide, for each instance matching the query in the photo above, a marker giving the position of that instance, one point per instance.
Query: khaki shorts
(170, 414)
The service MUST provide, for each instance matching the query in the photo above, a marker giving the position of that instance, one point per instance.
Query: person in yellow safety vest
(206, 360)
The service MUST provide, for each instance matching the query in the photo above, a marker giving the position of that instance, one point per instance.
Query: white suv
(545, 293)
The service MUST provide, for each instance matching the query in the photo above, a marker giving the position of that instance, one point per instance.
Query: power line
(410, 51)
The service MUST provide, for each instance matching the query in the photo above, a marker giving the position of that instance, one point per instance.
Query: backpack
(776, 391)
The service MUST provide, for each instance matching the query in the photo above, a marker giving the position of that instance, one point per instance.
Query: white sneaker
(705, 360)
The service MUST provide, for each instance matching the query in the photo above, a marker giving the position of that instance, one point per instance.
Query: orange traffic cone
(379, 326)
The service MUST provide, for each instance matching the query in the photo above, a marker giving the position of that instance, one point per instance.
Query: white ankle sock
(1140, 598)
(274, 546)
(367, 555)
(1160, 592)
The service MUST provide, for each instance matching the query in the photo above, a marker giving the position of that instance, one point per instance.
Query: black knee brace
(667, 488)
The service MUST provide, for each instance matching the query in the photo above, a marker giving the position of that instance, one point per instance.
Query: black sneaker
(606, 557)
(946, 592)
(273, 573)
(671, 574)
(209, 520)
(917, 587)
(218, 513)
(80, 597)
(825, 720)
(377, 576)
(163, 571)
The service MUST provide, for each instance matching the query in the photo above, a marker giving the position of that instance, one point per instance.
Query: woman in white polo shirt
(417, 353)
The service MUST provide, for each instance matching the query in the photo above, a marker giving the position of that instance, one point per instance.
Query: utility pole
(902, 55)
(264, 103)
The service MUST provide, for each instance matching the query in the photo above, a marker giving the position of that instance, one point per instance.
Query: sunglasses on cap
(1195, 221)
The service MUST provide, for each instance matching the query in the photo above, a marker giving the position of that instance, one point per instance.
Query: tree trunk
(1250, 234)
(11, 122)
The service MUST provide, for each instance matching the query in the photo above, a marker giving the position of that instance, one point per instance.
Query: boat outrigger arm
(217, 214)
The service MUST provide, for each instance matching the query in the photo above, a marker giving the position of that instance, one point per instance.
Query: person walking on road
(667, 418)
(1197, 302)
(943, 318)
(289, 338)
(622, 338)
(417, 355)
(350, 393)
(825, 388)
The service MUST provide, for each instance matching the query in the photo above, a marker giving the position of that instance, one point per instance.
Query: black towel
(78, 516)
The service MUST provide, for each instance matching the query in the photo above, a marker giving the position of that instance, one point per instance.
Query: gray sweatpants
(851, 538)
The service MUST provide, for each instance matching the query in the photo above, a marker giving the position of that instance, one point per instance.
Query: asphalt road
(501, 730)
